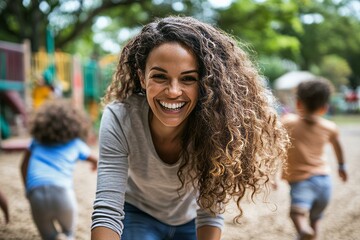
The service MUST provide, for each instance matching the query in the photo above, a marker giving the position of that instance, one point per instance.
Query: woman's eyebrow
(158, 69)
(185, 72)
(190, 71)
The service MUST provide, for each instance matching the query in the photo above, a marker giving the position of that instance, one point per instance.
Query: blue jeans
(311, 195)
(140, 225)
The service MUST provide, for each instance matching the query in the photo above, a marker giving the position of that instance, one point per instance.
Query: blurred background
(70, 48)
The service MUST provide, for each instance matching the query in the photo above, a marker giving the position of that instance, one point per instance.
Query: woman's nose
(174, 88)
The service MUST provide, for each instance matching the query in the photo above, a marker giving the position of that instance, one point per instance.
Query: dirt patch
(260, 220)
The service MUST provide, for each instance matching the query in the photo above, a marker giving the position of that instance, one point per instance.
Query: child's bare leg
(315, 225)
(302, 226)
(4, 207)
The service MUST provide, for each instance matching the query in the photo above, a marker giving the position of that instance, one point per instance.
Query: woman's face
(171, 81)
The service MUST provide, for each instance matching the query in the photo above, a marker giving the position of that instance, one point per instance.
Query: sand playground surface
(260, 220)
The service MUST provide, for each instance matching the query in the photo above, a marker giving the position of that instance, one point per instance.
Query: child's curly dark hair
(58, 121)
(236, 138)
(314, 94)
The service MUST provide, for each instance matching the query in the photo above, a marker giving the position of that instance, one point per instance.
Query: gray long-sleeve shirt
(130, 170)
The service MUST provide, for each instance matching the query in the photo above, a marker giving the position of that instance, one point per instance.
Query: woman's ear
(141, 76)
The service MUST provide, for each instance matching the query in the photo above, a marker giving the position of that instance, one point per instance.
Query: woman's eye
(159, 76)
(189, 79)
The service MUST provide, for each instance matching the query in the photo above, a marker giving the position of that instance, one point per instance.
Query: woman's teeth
(172, 106)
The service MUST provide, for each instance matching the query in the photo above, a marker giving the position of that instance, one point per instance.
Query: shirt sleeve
(112, 173)
(84, 150)
(204, 218)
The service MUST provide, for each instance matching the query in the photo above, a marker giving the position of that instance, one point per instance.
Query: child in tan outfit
(308, 172)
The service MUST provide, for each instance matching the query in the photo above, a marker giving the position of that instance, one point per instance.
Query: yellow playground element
(108, 59)
(41, 61)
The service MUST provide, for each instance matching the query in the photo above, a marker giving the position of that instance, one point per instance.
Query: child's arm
(24, 165)
(340, 158)
(4, 207)
(93, 160)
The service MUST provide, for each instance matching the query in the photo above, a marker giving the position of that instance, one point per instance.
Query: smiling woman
(187, 127)
(171, 84)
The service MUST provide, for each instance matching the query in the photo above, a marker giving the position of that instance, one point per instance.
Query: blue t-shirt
(54, 165)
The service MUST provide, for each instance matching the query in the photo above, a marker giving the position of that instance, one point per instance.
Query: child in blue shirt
(58, 130)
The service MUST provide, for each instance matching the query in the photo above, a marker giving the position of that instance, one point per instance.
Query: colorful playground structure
(28, 79)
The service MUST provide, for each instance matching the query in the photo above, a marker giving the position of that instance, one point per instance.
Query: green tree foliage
(269, 26)
(272, 67)
(336, 69)
(331, 27)
(22, 19)
(302, 31)
(130, 20)
(73, 20)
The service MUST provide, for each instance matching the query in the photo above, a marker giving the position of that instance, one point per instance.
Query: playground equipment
(14, 69)
(83, 81)
(57, 69)
(97, 76)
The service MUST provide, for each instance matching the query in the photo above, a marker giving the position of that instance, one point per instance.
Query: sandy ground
(260, 220)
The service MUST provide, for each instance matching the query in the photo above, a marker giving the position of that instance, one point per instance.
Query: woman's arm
(111, 179)
(100, 233)
(208, 226)
(208, 233)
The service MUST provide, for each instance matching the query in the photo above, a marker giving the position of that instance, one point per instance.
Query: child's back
(306, 157)
(48, 165)
(54, 164)
(308, 172)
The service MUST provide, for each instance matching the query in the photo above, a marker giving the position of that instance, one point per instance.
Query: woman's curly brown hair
(58, 121)
(235, 137)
